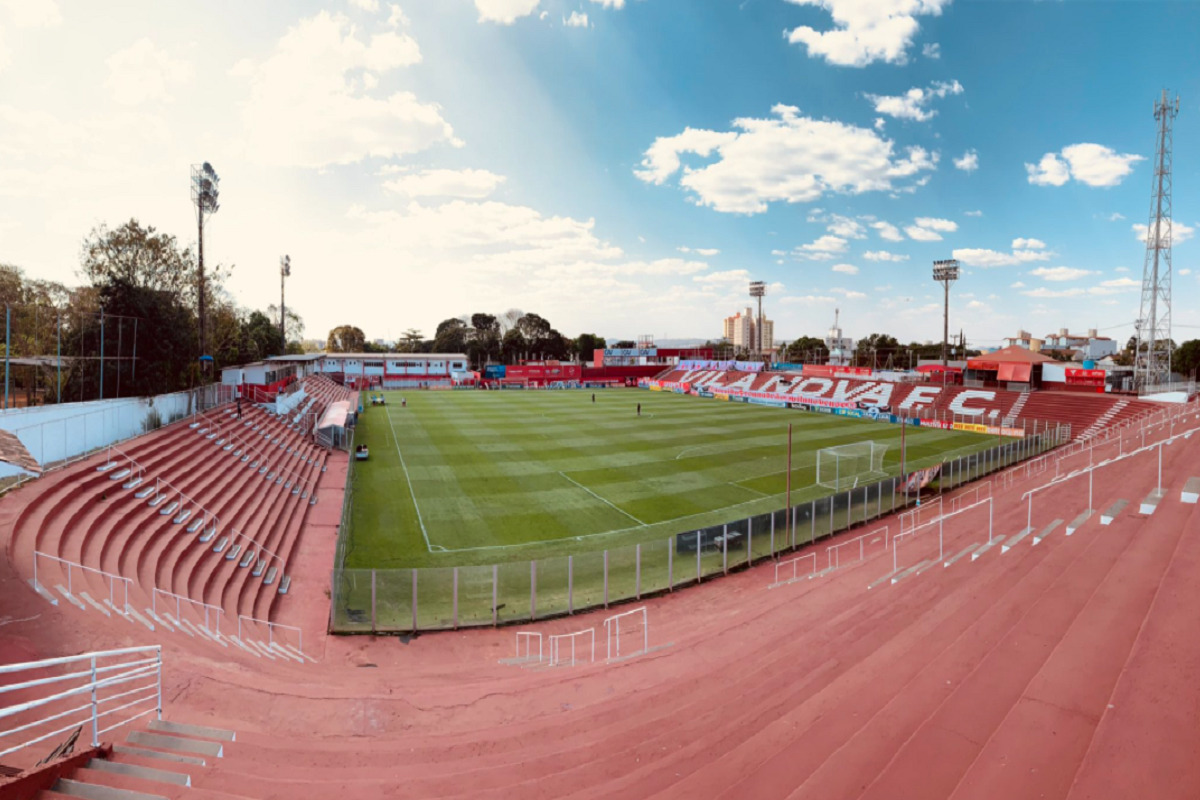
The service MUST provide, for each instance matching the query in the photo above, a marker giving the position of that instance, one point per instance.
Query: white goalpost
(847, 465)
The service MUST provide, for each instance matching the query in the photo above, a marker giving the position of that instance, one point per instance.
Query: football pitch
(459, 478)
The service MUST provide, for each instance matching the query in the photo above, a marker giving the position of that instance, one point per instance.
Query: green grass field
(461, 478)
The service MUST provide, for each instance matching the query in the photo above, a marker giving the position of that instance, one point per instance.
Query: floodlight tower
(758, 289)
(285, 271)
(946, 273)
(205, 190)
(1153, 364)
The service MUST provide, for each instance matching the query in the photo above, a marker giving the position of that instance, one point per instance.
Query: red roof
(1007, 355)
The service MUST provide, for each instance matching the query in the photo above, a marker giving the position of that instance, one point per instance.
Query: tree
(451, 336)
(346, 339)
(625, 344)
(805, 350)
(484, 344)
(293, 326)
(513, 345)
(1187, 358)
(261, 335)
(586, 344)
(411, 341)
(876, 348)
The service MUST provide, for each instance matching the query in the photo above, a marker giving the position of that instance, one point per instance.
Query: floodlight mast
(285, 271)
(946, 273)
(205, 192)
(758, 289)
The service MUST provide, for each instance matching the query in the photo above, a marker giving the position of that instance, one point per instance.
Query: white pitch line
(601, 499)
(388, 412)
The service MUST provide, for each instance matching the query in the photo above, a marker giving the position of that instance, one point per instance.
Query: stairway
(1010, 419)
(158, 762)
(1103, 420)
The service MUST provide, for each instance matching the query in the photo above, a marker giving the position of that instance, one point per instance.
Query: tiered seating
(256, 475)
(1081, 411)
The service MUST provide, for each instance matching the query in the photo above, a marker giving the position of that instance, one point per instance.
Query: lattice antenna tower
(1153, 364)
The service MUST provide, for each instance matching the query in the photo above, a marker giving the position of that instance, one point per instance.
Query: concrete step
(96, 791)
(177, 743)
(186, 729)
(137, 771)
(143, 752)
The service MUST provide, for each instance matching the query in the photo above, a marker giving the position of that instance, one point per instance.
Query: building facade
(741, 330)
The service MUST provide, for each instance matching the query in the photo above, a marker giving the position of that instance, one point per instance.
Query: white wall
(57, 432)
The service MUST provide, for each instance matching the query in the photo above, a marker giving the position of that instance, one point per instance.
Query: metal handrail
(96, 678)
(271, 631)
(112, 577)
(180, 600)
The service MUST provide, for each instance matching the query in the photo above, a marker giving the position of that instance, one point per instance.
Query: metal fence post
(698, 544)
(725, 549)
(158, 656)
(495, 584)
(373, 628)
(812, 518)
(671, 564)
(414, 600)
(532, 589)
(637, 571)
(456, 598)
(95, 715)
(606, 579)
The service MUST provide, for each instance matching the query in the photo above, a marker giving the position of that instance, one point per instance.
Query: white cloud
(976, 305)
(1124, 283)
(366, 5)
(888, 231)
(1017, 285)
(1116, 216)
(306, 109)
(920, 234)
(396, 16)
(1175, 232)
(973, 213)
(32, 13)
(144, 73)
(1185, 272)
(576, 20)
(734, 276)
(823, 248)
(504, 12)
(472, 183)
(865, 32)
(846, 227)
(1048, 293)
(787, 158)
(969, 162)
(1090, 164)
(1028, 244)
(1121, 269)
(914, 104)
(1060, 273)
(845, 269)
(707, 252)
(1048, 172)
(987, 259)
(936, 224)
(849, 294)
(610, 3)
(931, 50)
(806, 299)
(883, 255)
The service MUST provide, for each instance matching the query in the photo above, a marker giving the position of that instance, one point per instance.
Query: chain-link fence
(444, 598)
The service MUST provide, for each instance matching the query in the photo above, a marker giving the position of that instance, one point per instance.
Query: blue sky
(619, 166)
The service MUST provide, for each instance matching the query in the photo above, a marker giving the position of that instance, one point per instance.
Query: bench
(144, 493)
(1111, 512)
(233, 552)
(259, 567)
(983, 548)
(285, 584)
(196, 525)
(1191, 491)
(170, 509)
(1049, 529)
(1011, 543)
(182, 516)
(1077, 523)
(246, 559)
(915, 569)
(224, 540)
(119, 474)
(968, 549)
(1150, 504)
(270, 576)
(132, 482)
(158, 498)
(208, 534)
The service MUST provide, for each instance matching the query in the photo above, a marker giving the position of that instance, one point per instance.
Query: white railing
(113, 580)
(210, 611)
(116, 687)
(291, 474)
(110, 463)
(185, 502)
(271, 626)
(1188, 387)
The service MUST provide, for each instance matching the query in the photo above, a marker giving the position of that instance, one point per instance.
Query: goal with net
(847, 465)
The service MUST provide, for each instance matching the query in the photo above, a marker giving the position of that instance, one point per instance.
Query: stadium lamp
(285, 271)
(946, 273)
(206, 190)
(758, 289)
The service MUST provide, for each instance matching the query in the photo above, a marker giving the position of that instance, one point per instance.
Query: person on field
(593, 397)
(404, 402)
(639, 409)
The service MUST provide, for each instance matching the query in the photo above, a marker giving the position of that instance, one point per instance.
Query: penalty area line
(601, 499)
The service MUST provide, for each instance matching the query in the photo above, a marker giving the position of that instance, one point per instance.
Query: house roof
(1007, 355)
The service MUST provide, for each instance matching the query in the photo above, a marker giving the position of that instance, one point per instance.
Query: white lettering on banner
(772, 383)
(920, 396)
(843, 391)
(802, 387)
(959, 404)
(879, 393)
(744, 384)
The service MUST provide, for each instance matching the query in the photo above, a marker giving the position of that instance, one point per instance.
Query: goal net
(847, 465)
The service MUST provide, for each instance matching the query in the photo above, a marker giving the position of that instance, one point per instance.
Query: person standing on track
(593, 397)
(639, 409)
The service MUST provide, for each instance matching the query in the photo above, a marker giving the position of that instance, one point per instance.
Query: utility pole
(285, 271)
(205, 193)
(946, 273)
